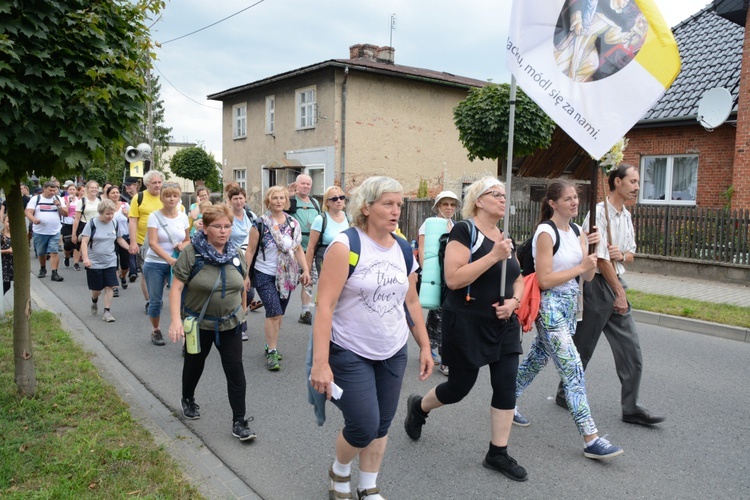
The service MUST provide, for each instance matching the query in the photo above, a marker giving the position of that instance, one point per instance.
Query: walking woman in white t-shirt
(334, 202)
(360, 333)
(167, 234)
(557, 274)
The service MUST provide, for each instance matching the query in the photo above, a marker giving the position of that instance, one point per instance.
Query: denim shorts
(46, 243)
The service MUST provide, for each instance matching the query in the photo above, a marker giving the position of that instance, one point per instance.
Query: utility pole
(393, 27)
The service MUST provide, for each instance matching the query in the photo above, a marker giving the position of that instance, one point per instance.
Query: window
(306, 108)
(240, 176)
(270, 114)
(671, 180)
(239, 118)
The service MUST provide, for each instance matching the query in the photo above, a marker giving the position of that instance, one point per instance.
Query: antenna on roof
(714, 108)
(393, 27)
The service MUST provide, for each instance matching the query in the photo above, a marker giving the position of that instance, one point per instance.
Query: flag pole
(508, 169)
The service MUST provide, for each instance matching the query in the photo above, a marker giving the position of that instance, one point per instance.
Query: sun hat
(68, 183)
(441, 196)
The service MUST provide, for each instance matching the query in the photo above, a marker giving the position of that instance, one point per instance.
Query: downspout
(343, 129)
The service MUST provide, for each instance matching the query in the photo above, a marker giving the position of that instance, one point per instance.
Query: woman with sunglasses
(326, 226)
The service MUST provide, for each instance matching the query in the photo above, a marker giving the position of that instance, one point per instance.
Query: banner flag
(594, 66)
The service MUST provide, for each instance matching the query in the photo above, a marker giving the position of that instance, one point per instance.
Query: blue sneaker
(602, 449)
(519, 419)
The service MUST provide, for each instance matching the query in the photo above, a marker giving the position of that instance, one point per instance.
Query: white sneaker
(107, 316)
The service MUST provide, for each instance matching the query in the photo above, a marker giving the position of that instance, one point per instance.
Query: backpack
(355, 247)
(93, 232)
(442, 243)
(524, 250)
(197, 266)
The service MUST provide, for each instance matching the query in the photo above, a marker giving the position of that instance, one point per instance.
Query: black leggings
(502, 378)
(230, 350)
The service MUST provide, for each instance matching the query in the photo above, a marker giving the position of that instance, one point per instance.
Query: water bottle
(190, 325)
(413, 244)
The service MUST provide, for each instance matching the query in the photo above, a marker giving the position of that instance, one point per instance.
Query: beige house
(343, 120)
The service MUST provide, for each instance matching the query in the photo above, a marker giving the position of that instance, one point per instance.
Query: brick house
(682, 163)
(343, 120)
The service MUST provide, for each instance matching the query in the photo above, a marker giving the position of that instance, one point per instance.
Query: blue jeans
(155, 275)
(371, 393)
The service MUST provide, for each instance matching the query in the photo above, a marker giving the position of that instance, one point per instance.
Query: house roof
(359, 64)
(711, 52)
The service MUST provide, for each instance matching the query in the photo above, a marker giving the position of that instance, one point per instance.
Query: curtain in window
(685, 178)
(655, 177)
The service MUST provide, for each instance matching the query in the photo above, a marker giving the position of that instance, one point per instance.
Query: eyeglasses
(337, 198)
(219, 227)
(496, 194)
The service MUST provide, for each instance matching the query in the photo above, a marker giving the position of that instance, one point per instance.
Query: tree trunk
(25, 374)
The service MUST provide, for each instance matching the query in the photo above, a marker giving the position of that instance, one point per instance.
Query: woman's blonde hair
(474, 190)
(329, 192)
(272, 191)
(368, 192)
(170, 188)
(215, 212)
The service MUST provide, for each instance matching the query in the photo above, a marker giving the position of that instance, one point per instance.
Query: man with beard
(605, 305)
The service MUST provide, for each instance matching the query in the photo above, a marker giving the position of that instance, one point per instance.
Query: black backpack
(92, 224)
(526, 259)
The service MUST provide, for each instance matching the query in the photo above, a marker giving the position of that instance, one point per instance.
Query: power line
(213, 24)
(182, 93)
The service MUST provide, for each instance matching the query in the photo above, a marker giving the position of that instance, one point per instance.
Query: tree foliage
(70, 83)
(96, 174)
(482, 123)
(193, 163)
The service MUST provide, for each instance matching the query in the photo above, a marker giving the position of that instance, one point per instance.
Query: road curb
(200, 465)
(693, 325)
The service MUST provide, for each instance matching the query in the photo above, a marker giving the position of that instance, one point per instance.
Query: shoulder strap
(355, 247)
(140, 198)
(556, 246)
(315, 204)
(92, 225)
(322, 230)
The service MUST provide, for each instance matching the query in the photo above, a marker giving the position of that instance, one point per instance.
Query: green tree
(69, 85)
(193, 163)
(482, 123)
(96, 174)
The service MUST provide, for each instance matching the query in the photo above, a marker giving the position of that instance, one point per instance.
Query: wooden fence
(702, 234)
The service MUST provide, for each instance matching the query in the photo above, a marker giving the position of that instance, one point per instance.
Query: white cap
(442, 196)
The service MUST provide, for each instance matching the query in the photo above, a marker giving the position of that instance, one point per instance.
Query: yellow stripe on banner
(659, 54)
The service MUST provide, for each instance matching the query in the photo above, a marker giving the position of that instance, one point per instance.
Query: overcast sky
(464, 37)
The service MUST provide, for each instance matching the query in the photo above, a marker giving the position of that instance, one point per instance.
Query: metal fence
(702, 234)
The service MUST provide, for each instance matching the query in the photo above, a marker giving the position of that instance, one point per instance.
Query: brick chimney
(372, 53)
(741, 170)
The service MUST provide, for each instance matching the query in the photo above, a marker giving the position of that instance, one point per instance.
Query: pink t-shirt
(369, 318)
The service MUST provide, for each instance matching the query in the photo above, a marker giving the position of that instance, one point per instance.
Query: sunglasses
(337, 198)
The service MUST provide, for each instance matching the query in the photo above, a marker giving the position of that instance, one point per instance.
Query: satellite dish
(714, 108)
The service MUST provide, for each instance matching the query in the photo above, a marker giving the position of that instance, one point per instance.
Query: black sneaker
(115, 292)
(124, 283)
(66, 261)
(305, 318)
(42, 273)
(76, 266)
(157, 338)
(133, 277)
(507, 466)
(145, 309)
(241, 431)
(55, 276)
(414, 419)
(190, 408)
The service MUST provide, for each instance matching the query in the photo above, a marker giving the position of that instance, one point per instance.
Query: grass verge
(75, 438)
(688, 308)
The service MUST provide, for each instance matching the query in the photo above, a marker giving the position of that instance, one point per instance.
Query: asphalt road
(699, 382)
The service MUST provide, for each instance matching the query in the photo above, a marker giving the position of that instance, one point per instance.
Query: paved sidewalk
(689, 288)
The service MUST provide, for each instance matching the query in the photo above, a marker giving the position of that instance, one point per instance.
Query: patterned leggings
(555, 326)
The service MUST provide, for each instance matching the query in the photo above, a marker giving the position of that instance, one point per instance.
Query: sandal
(363, 494)
(255, 304)
(335, 478)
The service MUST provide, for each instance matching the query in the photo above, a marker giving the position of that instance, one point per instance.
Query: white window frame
(305, 105)
(270, 114)
(668, 181)
(239, 121)
(240, 177)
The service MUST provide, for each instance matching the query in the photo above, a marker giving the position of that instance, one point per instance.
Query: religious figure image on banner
(596, 39)
(594, 66)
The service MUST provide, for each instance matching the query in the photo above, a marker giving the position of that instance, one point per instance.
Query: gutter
(344, 87)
